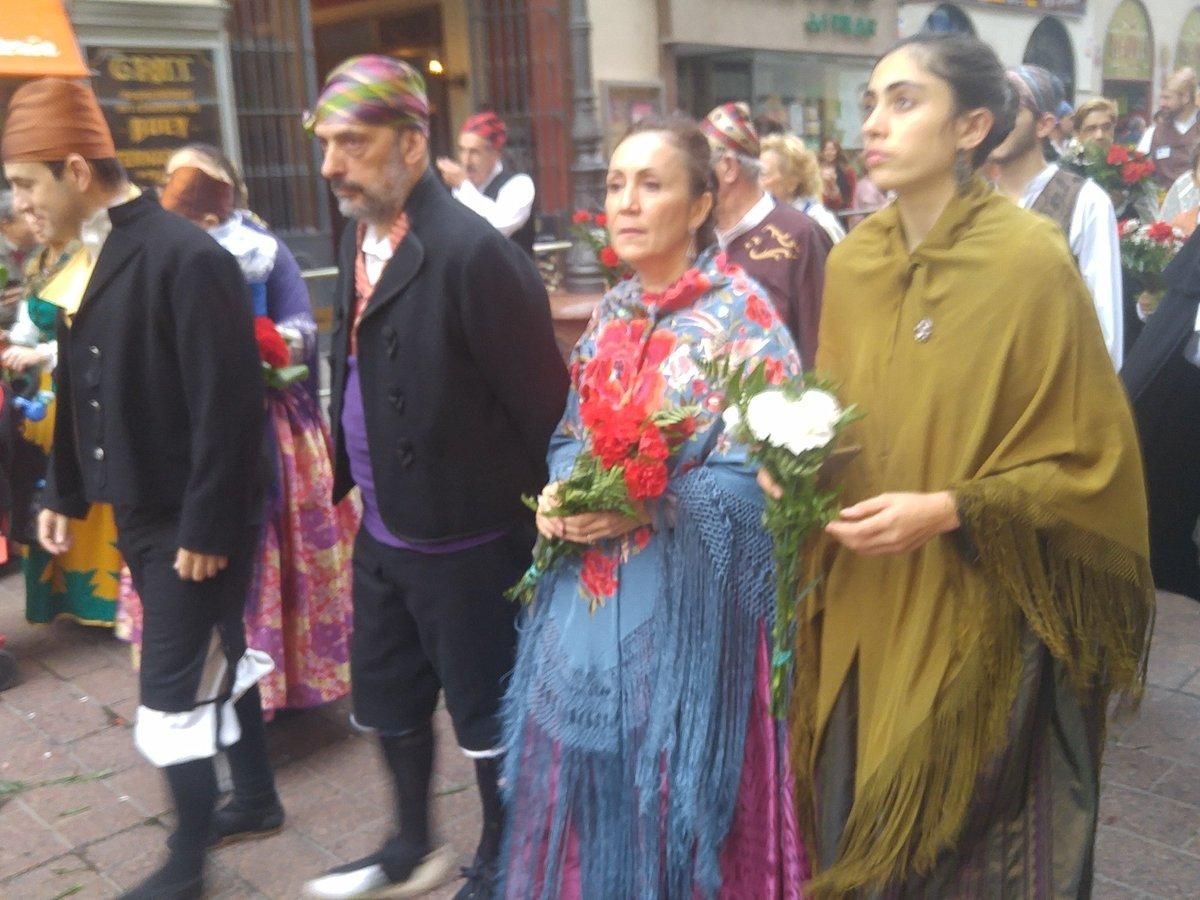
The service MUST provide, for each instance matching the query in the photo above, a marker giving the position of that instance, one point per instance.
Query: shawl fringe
(651, 797)
(1087, 598)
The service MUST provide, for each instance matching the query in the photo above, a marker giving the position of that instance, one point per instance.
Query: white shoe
(365, 879)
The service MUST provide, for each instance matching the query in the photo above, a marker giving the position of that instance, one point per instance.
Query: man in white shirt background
(1078, 205)
(1176, 131)
(483, 181)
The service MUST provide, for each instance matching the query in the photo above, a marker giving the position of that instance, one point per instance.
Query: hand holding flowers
(584, 528)
(1146, 249)
(791, 432)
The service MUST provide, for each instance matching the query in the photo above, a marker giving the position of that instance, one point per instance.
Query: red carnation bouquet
(631, 431)
(590, 229)
(1146, 250)
(1123, 172)
(277, 367)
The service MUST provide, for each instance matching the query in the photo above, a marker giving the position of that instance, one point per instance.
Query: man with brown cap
(484, 182)
(779, 247)
(447, 385)
(160, 413)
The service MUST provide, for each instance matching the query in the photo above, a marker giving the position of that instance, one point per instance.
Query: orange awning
(36, 38)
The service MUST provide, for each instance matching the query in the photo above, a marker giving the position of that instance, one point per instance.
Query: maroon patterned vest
(1177, 148)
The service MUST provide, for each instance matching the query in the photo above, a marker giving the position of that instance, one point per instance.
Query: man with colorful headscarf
(1079, 206)
(447, 385)
(779, 246)
(483, 181)
(160, 413)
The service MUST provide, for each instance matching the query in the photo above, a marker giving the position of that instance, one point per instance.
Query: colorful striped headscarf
(730, 128)
(1039, 90)
(372, 90)
(488, 126)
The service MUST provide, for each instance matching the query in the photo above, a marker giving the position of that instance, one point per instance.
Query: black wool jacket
(462, 380)
(159, 383)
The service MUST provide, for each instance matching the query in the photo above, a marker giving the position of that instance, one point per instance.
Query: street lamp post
(588, 167)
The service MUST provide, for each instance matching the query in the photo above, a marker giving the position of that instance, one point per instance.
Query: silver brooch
(923, 330)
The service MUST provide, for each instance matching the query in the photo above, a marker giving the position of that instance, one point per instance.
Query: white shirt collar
(1035, 187)
(377, 243)
(1187, 123)
(495, 173)
(752, 219)
(96, 228)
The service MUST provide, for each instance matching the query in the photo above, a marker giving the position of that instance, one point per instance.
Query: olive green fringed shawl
(1012, 403)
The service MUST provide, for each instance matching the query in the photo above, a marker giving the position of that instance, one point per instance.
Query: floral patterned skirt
(299, 608)
(82, 583)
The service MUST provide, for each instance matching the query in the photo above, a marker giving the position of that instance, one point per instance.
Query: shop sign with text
(1074, 7)
(156, 100)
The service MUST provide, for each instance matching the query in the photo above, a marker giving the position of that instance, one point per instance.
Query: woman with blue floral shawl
(643, 759)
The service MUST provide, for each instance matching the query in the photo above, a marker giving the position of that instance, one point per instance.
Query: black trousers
(424, 623)
(181, 617)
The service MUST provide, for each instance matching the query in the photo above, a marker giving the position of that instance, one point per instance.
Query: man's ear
(1044, 126)
(414, 146)
(78, 172)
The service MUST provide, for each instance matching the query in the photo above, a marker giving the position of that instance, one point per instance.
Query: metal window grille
(271, 45)
(521, 71)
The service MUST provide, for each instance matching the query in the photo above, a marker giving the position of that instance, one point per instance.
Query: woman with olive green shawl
(950, 701)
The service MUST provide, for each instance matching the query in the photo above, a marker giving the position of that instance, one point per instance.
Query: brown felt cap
(193, 193)
(51, 118)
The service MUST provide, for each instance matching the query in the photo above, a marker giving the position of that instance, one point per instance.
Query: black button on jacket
(160, 389)
(462, 380)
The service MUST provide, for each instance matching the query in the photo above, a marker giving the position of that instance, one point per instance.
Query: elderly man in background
(483, 181)
(779, 247)
(447, 385)
(1176, 130)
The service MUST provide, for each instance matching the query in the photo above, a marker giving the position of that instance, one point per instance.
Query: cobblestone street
(82, 815)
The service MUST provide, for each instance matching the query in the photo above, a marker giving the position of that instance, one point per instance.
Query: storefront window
(1129, 60)
(812, 95)
(1187, 51)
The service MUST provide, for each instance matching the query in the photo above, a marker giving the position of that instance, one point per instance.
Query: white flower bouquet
(792, 432)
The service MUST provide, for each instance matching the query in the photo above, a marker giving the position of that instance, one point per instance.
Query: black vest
(525, 234)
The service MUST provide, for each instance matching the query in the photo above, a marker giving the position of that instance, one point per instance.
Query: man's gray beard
(378, 210)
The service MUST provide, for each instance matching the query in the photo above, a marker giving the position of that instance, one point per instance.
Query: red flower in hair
(1117, 155)
(271, 346)
(580, 216)
(608, 256)
(601, 219)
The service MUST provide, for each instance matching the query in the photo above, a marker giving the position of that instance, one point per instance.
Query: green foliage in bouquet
(792, 431)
